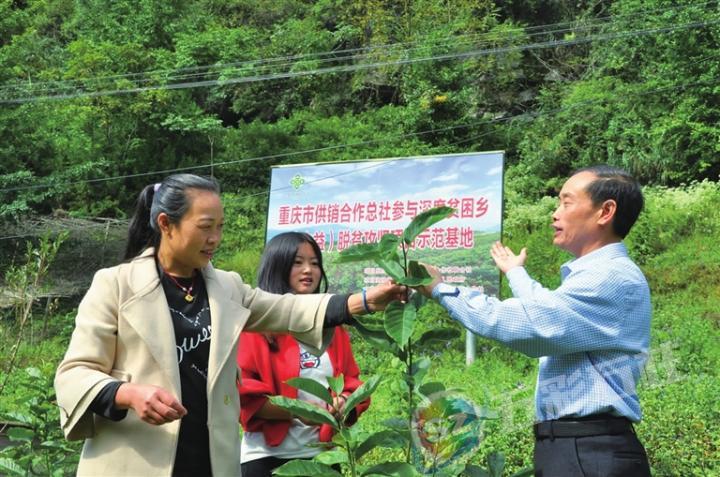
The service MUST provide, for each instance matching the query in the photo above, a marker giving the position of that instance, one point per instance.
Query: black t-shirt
(192, 324)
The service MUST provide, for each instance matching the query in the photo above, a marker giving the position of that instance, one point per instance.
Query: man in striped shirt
(591, 334)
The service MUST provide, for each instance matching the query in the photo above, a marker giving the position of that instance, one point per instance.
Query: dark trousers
(610, 455)
(261, 467)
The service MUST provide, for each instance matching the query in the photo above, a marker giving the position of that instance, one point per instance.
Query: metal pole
(469, 347)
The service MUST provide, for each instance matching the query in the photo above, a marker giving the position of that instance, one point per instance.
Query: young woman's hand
(376, 298)
(337, 407)
(152, 404)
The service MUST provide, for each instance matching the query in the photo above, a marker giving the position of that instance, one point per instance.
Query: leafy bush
(39, 447)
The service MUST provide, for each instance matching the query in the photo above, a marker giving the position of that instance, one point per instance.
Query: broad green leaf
(58, 445)
(10, 467)
(17, 417)
(388, 244)
(400, 321)
(21, 434)
(305, 410)
(312, 387)
(386, 438)
(414, 281)
(529, 472)
(472, 470)
(34, 373)
(359, 253)
(450, 470)
(377, 338)
(417, 275)
(496, 464)
(392, 268)
(395, 423)
(360, 394)
(398, 469)
(418, 299)
(337, 384)
(419, 369)
(425, 220)
(428, 389)
(416, 269)
(442, 335)
(303, 468)
(332, 457)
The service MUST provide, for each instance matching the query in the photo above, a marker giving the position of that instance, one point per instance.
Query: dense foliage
(675, 241)
(98, 89)
(100, 97)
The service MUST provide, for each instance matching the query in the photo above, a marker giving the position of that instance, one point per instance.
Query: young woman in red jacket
(291, 263)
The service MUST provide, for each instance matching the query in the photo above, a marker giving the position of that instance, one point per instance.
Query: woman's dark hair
(616, 184)
(169, 196)
(278, 258)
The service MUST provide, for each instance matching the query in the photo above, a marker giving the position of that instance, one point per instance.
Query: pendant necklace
(188, 290)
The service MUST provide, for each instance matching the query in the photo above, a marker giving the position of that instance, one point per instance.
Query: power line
(407, 46)
(356, 67)
(526, 115)
(522, 116)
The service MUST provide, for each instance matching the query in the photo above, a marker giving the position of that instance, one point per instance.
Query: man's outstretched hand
(505, 259)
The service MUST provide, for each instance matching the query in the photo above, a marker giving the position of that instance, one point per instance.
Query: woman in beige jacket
(158, 335)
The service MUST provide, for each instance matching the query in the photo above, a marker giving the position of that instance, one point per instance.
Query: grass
(679, 254)
(679, 394)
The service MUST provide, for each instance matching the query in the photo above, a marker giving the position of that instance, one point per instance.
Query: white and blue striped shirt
(592, 334)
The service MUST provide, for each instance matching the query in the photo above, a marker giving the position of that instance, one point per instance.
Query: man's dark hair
(616, 184)
(277, 262)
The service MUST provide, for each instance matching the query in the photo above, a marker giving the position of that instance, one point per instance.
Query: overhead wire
(348, 68)
(454, 39)
(532, 115)
(379, 163)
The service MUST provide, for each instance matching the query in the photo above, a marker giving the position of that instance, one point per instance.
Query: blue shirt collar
(606, 252)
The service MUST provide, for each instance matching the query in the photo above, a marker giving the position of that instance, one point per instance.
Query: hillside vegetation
(99, 98)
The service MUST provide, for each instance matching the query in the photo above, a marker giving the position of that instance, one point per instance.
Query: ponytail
(141, 234)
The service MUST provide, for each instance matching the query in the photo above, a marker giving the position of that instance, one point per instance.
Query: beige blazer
(123, 331)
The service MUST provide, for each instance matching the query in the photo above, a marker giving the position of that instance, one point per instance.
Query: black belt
(582, 427)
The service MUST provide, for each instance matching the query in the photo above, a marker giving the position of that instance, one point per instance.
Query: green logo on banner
(297, 181)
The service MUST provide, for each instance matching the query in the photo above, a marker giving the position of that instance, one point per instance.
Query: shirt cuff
(443, 289)
(104, 403)
(337, 312)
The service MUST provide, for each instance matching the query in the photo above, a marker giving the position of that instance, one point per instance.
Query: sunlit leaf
(388, 244)
(472, 470)
(360, 394)
(358, 253)
(10, 467)
(332, 457)
(387, 438)
(425, 220)
(442, 335)
(398, 469)
(377, 338)
(496, 464)
(392, 268)
(419, 369)
(428, 389)
(21, 434)
(312, 387)
(303, 468)
(337, 384)
(400, 321)
(305, 410)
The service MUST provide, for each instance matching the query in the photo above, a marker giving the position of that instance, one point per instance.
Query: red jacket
(264, 374)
